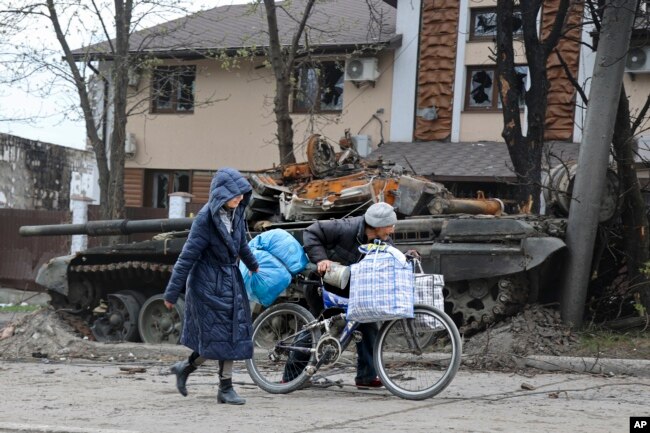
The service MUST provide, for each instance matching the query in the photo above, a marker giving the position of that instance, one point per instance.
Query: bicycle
(290, 346)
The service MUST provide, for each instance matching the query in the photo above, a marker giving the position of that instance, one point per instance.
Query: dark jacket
(336, 240)
(217, 321)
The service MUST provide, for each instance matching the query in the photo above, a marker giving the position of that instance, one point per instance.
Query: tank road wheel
(82, 295)
(480, 302)
(120, 322)
(474, 300)
(157, 324)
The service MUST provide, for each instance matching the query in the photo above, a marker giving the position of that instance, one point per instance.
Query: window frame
(496, 100)
(174, 74)
(315, 107)
(172, 178)
(488, 37)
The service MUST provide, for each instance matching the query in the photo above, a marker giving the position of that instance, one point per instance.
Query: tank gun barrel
(420, 225)
(109, 227)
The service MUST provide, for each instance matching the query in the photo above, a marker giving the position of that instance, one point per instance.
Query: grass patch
(628, 344)
(19, 308)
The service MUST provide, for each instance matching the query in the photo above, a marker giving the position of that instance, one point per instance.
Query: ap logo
(640, 424)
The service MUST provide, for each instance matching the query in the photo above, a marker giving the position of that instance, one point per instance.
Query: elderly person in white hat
(331, 241)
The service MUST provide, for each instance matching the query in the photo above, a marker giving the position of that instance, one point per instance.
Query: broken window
(483, 23)
(319, 88)
(482, 92)
(160, 183)
(172, 90)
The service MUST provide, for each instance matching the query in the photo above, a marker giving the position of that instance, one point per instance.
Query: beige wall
(637, 91)
(481, 126)
(233, 122)
(482, 3)
(481, 53)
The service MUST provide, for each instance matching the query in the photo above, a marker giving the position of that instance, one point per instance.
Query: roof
(334, 24)
(466, 161)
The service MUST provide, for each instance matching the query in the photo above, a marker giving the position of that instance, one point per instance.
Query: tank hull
(492, 267)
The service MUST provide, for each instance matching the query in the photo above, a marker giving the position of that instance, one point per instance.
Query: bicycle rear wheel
(275, 367)
(418, 358)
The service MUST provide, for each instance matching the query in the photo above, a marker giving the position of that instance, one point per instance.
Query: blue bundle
(279, 256)
(284, 247)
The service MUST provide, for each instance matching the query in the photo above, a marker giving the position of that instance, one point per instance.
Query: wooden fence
(20, 257)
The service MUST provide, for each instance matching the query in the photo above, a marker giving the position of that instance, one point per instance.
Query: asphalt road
(98, 397)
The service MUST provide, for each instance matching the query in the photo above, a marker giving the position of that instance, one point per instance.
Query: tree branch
(107, 35)
(639, 119)
(554, 36)
(571, 78)
(301, 27)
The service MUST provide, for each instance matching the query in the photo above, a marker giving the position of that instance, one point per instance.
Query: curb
(606, 366)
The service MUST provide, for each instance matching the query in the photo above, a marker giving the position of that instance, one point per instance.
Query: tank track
(90, 286)
(122, 266)
(90, 283)
(484, 301)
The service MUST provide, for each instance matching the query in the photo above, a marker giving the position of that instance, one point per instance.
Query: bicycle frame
(344, 339)
(291, 345)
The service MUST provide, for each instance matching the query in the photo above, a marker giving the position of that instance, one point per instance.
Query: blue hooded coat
(217, 322)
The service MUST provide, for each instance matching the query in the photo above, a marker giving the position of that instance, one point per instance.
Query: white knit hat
(380, 215)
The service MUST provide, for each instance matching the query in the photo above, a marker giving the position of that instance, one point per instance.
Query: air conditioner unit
(361, 69)
(638, 60)
(130, 145)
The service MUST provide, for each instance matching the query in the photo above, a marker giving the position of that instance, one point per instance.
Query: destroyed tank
(492, 264)
(492, 267)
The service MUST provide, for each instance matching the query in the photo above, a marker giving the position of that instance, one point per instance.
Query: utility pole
(593, 159)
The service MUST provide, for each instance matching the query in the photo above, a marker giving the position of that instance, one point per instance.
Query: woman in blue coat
(217, 322)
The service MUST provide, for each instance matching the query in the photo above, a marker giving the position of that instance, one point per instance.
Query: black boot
(182, 370)
(227, 393)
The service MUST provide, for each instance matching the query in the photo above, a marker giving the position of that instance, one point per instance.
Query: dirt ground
(55, 381)
(100, 397)
(536, 331)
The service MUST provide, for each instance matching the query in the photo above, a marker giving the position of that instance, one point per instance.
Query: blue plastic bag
(284, 247)
(271, 279)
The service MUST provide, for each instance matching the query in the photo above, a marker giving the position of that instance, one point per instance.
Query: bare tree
(283, 59)
(287, 54)
(86, 22)
(634, 219)
(525, 150)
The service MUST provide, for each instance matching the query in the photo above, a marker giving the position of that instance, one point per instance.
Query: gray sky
(50, 126)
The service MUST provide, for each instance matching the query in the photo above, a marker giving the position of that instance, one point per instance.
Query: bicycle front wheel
(418, 358)
(282, 348)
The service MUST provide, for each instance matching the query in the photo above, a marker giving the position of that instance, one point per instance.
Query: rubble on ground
(43, 334)
(535, 331)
